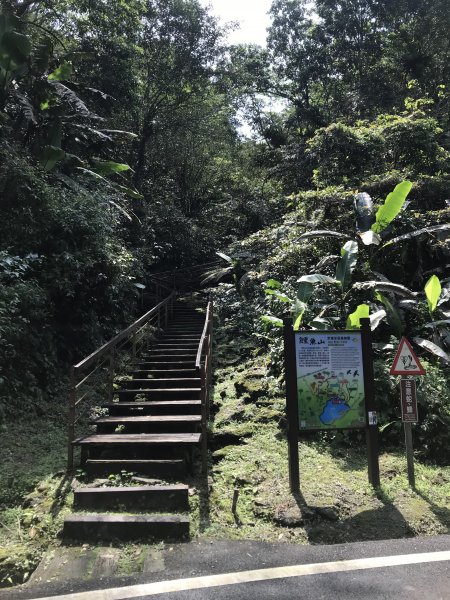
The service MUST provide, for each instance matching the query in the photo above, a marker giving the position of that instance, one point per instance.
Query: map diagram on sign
(330, 382)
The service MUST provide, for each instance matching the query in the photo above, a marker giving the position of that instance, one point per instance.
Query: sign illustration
(406, 362)
(330, 380)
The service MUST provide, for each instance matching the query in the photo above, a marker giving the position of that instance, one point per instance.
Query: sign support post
(291, 405)
(406, 363)
(410, 454)
(409, 416)
(371, 408)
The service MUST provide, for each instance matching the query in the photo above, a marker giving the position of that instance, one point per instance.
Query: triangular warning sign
(406, 362)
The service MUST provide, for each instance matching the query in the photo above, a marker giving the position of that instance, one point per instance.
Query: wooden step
(182, 337)
(157, 364)
(175, 393)
(126, 527)
(170, 352)
(172, 382)
(169, 358)
(175, 346)
(184, 331)
(162, 373)
(156, 407)
(148, 419)
(140, 439)
(173, 498)
(148, 423)
(162, 469)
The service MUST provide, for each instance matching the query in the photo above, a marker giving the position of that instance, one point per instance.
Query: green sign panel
(330, 380)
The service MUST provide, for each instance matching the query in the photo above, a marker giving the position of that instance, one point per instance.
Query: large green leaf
(278, 295)
(418, 232)
(370, 238)
(27, 109)
(386, 286)
(62, 73)
(362, 312)
(272, 320)
(109, 167)
(128, 191)
(433, 348)
(392, 206)
(322, 233)
(15, 49)
(347, 263)
(71, 98)
(317, 278)
(49, 156)
(305, 290)
(273, 284)
(225, 257)
(376, 318)
(393, 314)
(433, 292)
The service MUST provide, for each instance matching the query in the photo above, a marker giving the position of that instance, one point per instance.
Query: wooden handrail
(105, 357)
(203, 368)
(198, 359)
(86, 362)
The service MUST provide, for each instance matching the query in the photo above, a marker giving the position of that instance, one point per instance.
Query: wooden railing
(93, 377)
(203, 365)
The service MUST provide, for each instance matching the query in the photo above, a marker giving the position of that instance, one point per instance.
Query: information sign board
(330, 380)
(409, 401)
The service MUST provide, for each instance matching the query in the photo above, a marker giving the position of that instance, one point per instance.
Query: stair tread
(176, 487)
(139, 438)
(150, 419)
(168, 389)
(158, 379)
(153, 403)
(143, 461)
(118, 518)
(168, 371)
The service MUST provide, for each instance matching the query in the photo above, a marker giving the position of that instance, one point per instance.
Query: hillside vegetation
(121, 155)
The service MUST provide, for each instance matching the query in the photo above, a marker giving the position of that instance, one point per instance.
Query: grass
(336, 503)
(248, 458)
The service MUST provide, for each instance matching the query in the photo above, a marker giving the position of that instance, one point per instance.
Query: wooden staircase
(154, 426)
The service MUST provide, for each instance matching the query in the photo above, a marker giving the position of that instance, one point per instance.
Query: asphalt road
(257, 570)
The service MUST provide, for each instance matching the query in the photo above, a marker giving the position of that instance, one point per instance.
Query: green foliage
(391, 207)
(433, 292)
(344, 155)
(62, 73)
(361, 312)
(347, 263)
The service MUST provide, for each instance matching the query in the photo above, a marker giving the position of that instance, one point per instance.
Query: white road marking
(196, 583)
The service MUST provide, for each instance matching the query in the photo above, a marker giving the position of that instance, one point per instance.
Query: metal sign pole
(410, 454)
(371, 408)
(291, 405)
(409, 416)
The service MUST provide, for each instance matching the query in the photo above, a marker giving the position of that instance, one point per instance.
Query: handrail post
(71, 420)
(202, 374)
(111, 375)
